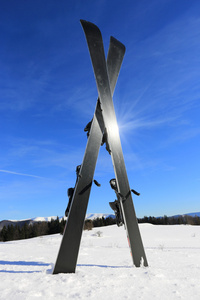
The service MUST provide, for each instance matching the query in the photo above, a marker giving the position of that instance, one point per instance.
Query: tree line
(182, 219)
(26, 231)
(11, 232)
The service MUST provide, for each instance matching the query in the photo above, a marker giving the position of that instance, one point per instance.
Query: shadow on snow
(21, 263)
(104, 266)
(15, 272)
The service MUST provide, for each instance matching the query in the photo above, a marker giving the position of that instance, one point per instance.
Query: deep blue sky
(48, 95)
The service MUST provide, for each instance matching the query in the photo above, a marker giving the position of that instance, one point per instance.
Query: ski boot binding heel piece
(116, 206)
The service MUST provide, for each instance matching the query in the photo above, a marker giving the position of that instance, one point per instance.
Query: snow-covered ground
(104, 269)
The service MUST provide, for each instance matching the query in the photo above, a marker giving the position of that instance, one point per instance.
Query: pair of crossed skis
(104, 123)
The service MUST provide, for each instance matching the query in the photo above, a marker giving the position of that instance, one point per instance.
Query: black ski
(69, 248)
(96, 49)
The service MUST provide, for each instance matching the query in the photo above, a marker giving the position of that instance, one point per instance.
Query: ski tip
(89, 27)
(117, 43)
(83, 22)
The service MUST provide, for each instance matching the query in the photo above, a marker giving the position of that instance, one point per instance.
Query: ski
(69, 248)
(96, 49)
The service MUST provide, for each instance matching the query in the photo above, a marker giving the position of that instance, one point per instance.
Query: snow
(104, 269)
(46, 219)
(90, 216)
(95, 216)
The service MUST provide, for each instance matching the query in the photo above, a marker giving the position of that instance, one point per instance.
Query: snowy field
(104, 269)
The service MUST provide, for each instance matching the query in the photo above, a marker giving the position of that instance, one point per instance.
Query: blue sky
(48, 95)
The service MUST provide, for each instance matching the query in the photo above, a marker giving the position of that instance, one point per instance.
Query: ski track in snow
(104, 269)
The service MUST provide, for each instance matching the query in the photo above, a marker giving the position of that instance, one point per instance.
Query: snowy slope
(95, 216)
(46, 219)
(90, 216)
(104, 269)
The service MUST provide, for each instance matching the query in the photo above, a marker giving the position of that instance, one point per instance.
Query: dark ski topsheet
(68, 253)
(96, 49)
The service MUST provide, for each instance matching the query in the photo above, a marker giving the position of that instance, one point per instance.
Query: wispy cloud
(48, 159)
(20, 174)
(182, 136)
(165, 92)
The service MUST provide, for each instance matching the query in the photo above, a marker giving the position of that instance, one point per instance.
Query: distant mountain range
(95, 216)
(48, 219)
(88, 217)
(196, 214)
